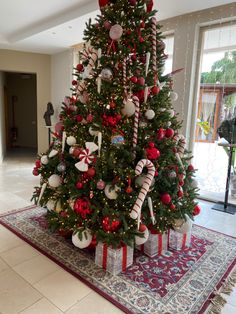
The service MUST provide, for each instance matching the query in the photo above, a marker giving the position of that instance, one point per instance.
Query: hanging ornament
(149, 5)
(155, 90)
(82, 239)
(149, 114)
(129, 108)
(54, 180)
(117, 139)
(91, 172)
(80, 67)
(172, 175)
(173, 96)
(110, 225)
(190, 168)
(86, 156)
(106, 74)
(152, 152)
(196, 210)
(101, 185)
(171, 113)
(75, 151)
(79, 185)
(129, 188)
(169, 133)
(141, 81)
(71, 140)
(111, 191)
(82, 207)
(180, 192)
(51, 205)
(144, 230)
(61, 167)
(133, 2)
(44, 160)
(107, 25)
(116, 32)
(165, 198)
(134, 79)
(58, 207)
(161, 134)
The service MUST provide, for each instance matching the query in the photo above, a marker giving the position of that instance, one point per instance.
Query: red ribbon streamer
(124, 257)
(159, 243)
(184, 240)
(104, 256)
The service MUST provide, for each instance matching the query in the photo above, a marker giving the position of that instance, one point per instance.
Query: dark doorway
(21, 112)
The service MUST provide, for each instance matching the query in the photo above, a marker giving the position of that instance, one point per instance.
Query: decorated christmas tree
(118, 168)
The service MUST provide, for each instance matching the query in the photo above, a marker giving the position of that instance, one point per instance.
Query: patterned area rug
(177, 282)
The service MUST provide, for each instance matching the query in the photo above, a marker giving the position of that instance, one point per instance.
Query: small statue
(48, 114)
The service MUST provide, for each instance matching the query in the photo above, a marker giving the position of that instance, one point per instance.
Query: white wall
(2, 118)
(61, 77)
(187, 46)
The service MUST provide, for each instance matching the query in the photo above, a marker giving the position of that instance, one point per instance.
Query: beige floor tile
(94, 304)
(15, 293)
(8, 240)
(19, 254)
(36, 268)
(62, 289)
(43, 306)
(3, 265)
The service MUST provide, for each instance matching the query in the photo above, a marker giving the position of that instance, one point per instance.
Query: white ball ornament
(44, 160)
(58, 207)
(173, 96)
(71, 140)
(54, 181)
(129, 108)
(116, 32)
(171, 113)
(111, 191)
(149, 114)
(85, 240)
(138, 240)
(51, 205)
(194, 184)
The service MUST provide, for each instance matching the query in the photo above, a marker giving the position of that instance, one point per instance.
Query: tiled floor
(30, 283)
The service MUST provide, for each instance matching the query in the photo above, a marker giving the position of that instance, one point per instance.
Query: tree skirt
(177, 282)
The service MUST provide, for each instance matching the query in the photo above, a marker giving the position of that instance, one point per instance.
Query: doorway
(216, 104)
(20, 94)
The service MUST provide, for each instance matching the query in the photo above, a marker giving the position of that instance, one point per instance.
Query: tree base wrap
(179, 241)
(157, 244)
(113, 260)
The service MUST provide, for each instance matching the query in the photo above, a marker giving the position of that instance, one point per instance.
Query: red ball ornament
(142, 227)
(103, 3)
(37, 163)
(142, 24)
(111, 225)
(149, 5)
(80, 67)
(107, 25)
(172, 206)
(196, 210)
(190, 168)
(79, 118)
(79, 185)
(76, 152)
(133, 2)
(180, 193)
(101, 185)
(161, 134)
(152, 152)
(169, 133)
(129, 190)
(141, 39)
(74, 82)
(181, 182)
(141, 81)
(82, 207)
(134, 79)
(91, 172)
(155, 90)
(89, 118)
(165, 198)
(35, 171)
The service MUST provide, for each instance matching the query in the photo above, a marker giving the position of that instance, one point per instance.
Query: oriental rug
(190, 281)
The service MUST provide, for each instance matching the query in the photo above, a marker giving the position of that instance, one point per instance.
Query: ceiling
(51, 26)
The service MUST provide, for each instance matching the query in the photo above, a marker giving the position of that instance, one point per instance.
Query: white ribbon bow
(86, 156)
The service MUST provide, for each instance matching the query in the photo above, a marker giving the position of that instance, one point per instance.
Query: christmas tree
(118, 166)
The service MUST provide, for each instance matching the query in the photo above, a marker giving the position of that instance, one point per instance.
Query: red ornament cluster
(82, 207)
(152, 152)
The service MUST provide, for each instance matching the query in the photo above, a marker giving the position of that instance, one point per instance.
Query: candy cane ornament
(136, 211)
(136, 121)
(125, 77)
(154, 48)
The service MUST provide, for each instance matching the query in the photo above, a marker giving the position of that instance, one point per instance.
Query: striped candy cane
(136, 120)
(135, 213)
(154, 48)
(125, 77)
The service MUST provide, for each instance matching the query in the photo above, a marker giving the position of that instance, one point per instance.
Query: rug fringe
(219, 300)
